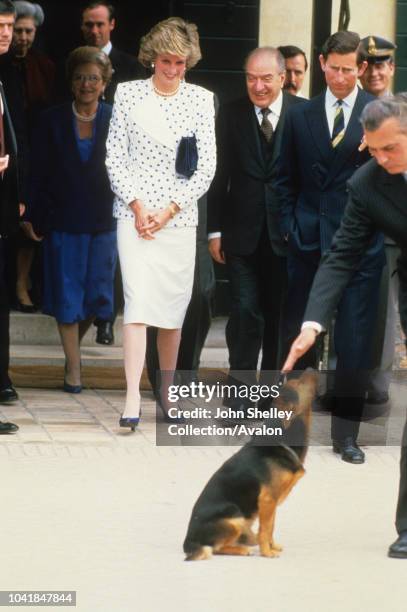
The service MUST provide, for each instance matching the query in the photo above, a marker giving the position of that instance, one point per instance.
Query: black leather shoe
(6, 428)
(398, 549)
(104, 333)
(324, 403)
(9, 394)
(26, 308)
(376, 399)
(349, 450)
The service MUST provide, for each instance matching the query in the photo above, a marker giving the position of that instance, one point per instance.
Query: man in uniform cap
(378, 53)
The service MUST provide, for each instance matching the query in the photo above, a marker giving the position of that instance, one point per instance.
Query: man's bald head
(265, 72)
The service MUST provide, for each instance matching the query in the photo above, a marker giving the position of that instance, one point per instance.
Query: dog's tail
(196, 552)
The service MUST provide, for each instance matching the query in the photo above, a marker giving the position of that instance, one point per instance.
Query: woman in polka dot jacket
(156, 208)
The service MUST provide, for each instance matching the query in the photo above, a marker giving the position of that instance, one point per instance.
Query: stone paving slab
(110, 525)
(104, 512)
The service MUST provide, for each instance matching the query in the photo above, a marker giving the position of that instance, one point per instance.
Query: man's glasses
(82, 78)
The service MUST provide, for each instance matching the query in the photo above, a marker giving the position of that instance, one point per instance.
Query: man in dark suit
(377, 78)
(98, 22)
(9, 212)
(296, 65)
(320, 153)
(377, 202)
(242, 216)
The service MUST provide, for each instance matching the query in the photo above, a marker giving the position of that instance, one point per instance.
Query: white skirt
(157, 274)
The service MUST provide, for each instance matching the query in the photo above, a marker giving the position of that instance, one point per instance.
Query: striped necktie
(266, 126)
(338, 131)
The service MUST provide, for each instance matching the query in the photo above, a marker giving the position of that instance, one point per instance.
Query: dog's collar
(292, 453)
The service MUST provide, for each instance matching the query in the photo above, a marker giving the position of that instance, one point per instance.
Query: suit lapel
(318, 126)
(150, 117)
(247, 125)
(8, 126)
(113, 59)
(351, 140)
(278, 133)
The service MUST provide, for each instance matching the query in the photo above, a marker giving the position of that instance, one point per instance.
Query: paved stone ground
(88, 508)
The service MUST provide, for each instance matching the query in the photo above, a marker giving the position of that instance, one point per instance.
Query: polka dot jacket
(141, 166)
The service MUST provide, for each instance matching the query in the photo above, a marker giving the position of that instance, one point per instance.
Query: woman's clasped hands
(147, 222)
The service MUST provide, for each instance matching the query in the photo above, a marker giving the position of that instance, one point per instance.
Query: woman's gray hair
(388, 107)
(89, 55)
(28, 9)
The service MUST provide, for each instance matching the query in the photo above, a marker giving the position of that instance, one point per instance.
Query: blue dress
(79, 267)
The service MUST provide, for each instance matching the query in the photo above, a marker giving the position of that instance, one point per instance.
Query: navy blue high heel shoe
(71, 388)
(131, 422)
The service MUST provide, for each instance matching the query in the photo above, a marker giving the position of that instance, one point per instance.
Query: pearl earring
(152, 65)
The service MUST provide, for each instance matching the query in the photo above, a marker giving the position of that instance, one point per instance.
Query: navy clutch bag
(186, 161)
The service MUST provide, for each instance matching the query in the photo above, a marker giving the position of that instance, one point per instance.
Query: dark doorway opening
(228, 31)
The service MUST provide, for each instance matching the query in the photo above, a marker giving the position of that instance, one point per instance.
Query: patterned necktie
(338, 131)
(266, 126)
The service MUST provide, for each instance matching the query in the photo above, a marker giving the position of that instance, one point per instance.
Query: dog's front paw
(275, 546)
(270, 553)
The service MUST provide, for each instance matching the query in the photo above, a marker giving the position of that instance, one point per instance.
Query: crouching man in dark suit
(9, 212)
(243, 228)
(377, 201)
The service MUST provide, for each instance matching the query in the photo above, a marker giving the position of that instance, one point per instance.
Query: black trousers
(355, 319)
(401, 513)
(258, 289)
(118, 301)
(4, 322)
(196, 323)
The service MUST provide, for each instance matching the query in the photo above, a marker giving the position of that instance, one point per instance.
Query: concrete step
(97, 356)
(102, 367)
(41, 330)
(37, 358)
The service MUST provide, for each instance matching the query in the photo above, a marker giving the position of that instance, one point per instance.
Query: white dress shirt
(107, 48)
(275, 111)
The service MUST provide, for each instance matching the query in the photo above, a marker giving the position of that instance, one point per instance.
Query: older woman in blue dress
(70, 202)
(156, 208)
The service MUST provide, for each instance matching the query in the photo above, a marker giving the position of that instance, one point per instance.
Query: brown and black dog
(251, 484)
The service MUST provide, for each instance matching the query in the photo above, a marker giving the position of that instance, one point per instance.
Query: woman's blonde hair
(174, 36)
